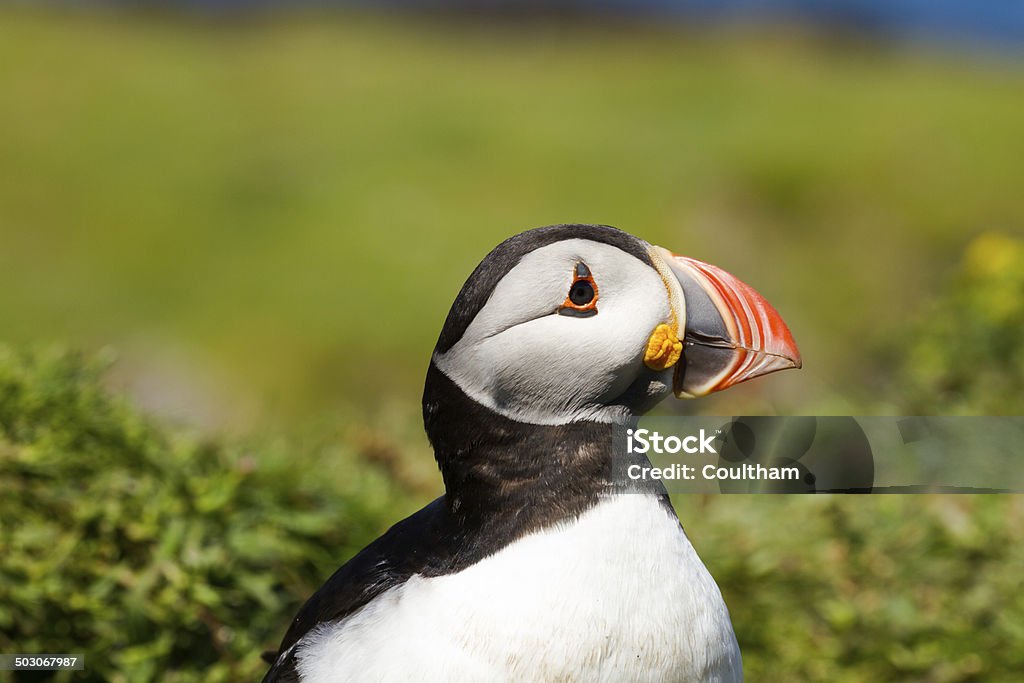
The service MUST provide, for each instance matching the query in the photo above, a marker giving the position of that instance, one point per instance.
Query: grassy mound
(161, 557)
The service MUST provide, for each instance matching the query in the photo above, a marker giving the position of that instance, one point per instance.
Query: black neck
(492, 465)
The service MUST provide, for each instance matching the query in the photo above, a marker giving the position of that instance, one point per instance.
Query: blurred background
(230, 232)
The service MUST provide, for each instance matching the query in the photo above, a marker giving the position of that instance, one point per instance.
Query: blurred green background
(227, 246)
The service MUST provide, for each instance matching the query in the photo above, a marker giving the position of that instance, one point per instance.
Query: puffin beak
(730, 333)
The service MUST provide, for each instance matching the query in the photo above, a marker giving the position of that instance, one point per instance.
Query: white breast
(616, 595)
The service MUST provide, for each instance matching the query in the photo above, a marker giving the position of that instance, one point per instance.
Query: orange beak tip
(732, 333)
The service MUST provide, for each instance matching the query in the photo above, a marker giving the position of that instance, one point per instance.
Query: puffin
(531, 566)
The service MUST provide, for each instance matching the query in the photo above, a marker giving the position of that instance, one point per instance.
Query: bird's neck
(497, 470)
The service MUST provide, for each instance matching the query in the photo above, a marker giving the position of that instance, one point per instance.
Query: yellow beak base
(663, 348)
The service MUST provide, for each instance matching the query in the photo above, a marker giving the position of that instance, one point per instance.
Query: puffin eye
(582, 297)
(582, 293)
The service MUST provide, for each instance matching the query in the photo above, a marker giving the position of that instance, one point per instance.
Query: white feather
(526, 362)
(618, 594)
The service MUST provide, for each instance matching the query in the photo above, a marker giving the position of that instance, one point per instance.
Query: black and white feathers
(528, 567)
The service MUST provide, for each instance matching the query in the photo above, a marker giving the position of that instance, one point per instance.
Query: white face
(529, 358)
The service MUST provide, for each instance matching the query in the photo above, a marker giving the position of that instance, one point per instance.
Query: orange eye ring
(583, 294)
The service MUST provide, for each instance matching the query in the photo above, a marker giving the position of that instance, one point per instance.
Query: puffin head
(572, 323)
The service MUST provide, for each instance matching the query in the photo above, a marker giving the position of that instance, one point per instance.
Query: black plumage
(494, 495)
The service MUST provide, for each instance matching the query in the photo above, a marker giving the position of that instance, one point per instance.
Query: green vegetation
(269, 219)
(289, 205)
(167, 557)
(162, 557)
(968, 356)
(884, 588)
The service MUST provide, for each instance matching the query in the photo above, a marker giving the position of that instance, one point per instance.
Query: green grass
(295, 203)
(257, 227)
